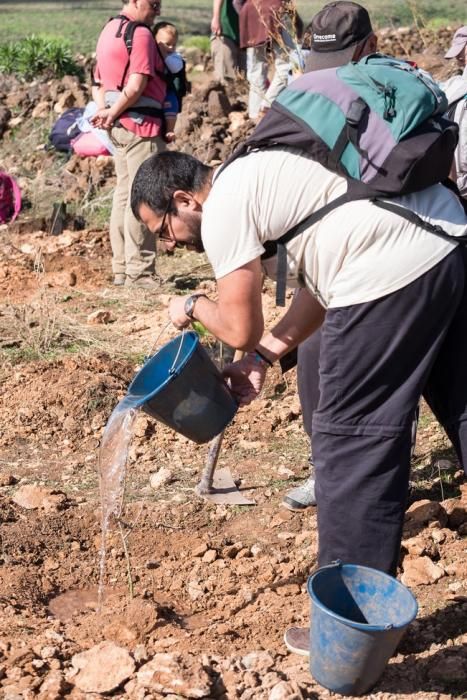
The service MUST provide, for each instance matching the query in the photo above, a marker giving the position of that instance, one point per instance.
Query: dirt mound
(60, 400)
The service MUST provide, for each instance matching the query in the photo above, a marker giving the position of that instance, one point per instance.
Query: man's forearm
(303, 318)
(225, 326)
(130, 94)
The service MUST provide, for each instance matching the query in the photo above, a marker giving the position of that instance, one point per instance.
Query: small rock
(456, 512)
(439, 536)
(218, 105)
(237, 120)
(101, 316)
(7, 479)
(32, 497)
(199, 551)
(285, 690)
(260, 661)
(420, 571)
(420, 545)
(41, 110)
(48, 652)
(183, 675)
(102, 668)
(53, 686)
(161, 478)
(422, 512)
(195, 590)
(209, 556)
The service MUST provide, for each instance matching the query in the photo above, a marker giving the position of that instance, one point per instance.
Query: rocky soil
(197, 596)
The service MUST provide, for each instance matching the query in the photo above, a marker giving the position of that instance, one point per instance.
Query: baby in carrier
(166, 37)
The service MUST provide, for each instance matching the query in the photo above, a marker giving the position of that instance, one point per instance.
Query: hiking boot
(147, 282)
(297, 640)
(119, 279)
(301, 497)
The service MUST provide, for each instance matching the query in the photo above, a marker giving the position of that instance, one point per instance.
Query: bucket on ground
(182, 387)
(358, 616)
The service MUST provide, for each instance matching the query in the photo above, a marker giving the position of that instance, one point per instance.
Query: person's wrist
(265, 357)
(189, 306)
(259, 360)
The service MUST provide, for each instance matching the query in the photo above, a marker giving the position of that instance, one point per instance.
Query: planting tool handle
(205, 484)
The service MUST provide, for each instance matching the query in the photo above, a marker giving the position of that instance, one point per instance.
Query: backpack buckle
(356, 111)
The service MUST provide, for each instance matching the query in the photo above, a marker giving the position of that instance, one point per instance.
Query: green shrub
(203, 43)
(37, 55)
(438, 23)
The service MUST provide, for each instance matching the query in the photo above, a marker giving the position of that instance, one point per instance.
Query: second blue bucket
(358, 616)
(182, 387)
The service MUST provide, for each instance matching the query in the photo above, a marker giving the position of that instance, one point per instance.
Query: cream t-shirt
(355, 254)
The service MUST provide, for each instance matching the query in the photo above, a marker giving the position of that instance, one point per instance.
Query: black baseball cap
(335, 31)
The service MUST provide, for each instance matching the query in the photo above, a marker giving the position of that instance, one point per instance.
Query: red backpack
(10, 198)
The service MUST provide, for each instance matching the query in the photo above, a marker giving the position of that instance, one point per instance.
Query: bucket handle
(337, 564)
(172, 370)
(156, 342)
(154, 347)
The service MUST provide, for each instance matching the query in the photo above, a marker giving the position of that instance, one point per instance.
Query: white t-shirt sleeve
(229, 231)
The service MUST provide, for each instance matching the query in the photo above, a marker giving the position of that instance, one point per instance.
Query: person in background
(129, 93)
(340, 32)
(166, 38)
(225, 37)
(456, 92)
(264, 31)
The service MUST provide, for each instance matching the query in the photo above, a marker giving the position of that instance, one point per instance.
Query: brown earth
(197, 596)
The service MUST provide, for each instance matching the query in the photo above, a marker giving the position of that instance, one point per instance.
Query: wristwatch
(189, 307)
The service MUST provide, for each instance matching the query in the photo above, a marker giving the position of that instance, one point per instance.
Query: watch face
(189, 304)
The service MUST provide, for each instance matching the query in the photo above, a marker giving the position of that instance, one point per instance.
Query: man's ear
(185, 200)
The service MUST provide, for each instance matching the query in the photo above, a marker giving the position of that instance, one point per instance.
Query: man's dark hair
(163, 173)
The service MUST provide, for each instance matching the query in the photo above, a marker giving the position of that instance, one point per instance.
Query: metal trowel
(219, 486)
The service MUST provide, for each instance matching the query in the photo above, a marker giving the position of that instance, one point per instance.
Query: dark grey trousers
(376, 360)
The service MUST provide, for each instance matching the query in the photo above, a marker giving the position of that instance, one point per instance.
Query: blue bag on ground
(66, 129)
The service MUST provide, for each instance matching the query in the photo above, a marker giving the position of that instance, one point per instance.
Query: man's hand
(246, 378)
(103, 118)
(177, 312)
(216, 26)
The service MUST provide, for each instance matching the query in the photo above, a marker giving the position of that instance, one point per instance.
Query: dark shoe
(143, 282)
(297, 640)
(301, 497)
(119, 279)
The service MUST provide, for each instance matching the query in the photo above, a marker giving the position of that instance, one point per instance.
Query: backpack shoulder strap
(126, 29)
(279, 245)
(418, 221)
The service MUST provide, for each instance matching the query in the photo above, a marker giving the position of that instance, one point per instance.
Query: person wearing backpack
(456, 92)
(339, 33)
(129, 93)
(385, 279)
(166, 37)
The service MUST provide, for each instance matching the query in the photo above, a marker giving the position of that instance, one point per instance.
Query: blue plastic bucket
(182, 387)
(358, 616)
